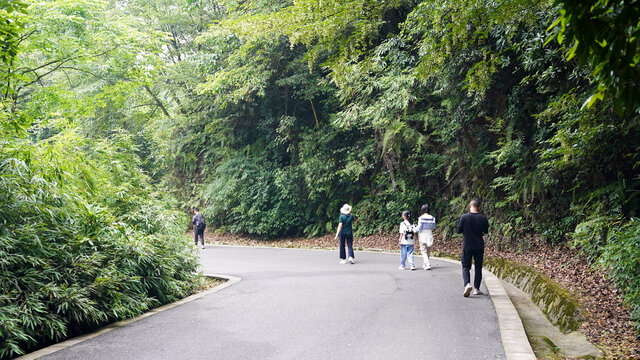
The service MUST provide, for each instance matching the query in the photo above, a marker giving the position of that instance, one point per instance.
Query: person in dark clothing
(345, 233)
(198, 227)
(472, 226)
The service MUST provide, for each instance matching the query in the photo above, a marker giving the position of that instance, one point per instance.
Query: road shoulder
(78, 339)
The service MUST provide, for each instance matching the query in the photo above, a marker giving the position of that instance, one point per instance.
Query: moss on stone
(559, 305)
(544, 348)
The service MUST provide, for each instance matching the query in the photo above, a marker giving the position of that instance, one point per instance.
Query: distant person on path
(345, 233)
(198, 227)
(472, 225)
(426, 223)
(407, 230)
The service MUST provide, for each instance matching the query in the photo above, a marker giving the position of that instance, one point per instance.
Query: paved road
(301, 304)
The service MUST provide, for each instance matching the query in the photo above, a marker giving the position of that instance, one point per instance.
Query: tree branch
(315, 116)
(88, 72)
(34, 70)
(143, 105)
(25, 37)
(39, 77)
(158, 102)
(65, 60)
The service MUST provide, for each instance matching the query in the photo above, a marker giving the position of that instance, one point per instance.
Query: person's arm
(460, 227)
(339, 228)
(486, 226)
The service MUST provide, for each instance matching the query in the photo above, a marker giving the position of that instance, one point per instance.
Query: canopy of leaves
(604, 35)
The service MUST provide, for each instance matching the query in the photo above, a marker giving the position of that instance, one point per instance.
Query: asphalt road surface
(302, 304)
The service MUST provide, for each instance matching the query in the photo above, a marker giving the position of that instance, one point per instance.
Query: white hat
(346, 209)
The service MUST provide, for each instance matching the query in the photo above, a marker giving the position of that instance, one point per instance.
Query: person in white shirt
(426, 223)
(407, 231)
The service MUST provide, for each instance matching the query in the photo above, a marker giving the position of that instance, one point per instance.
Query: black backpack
(200, 223)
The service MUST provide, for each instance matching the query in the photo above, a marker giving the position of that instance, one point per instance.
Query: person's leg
(403, 255)
(424, 249)
(195, 236)
(466, 266)
(410, 249)
(478, 256)
(343, 254)
(350, 245)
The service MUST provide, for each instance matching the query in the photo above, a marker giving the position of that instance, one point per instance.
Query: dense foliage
(604, 35)
(84, 241)
(270, 115)
(85, 238)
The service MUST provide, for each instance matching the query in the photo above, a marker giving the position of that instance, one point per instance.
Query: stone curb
(78, 339)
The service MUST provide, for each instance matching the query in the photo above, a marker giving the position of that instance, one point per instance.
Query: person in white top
(426, 223)
(407, 230)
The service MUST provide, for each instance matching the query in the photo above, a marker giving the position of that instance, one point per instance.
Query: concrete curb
(78, 339)
(514, 339)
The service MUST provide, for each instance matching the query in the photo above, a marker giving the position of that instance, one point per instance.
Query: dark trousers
(197, 233)
(477, 256)
(349, 240)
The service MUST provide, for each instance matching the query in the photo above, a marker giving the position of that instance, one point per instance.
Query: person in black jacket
(472, 226)
(198, 227)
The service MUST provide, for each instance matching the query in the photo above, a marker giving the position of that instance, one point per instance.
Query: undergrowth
(83, 240)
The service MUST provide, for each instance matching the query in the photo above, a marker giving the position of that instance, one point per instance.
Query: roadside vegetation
(269, 115)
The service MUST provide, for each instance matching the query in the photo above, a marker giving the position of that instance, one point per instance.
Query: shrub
(621, 258)
(614, 246)
(253, 196)
(83, 240)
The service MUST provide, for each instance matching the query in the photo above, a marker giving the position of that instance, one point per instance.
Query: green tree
(604, 35)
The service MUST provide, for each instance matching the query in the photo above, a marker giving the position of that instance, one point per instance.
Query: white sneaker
(351, 260)
(477, 292)
(400, 267)
(428, 267)
(202, 246)
(343, 261)
(467, 290)
(413, 267)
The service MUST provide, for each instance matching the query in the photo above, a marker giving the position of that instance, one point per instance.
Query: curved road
(301, 304)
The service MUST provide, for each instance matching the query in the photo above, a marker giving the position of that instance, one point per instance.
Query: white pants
(426, 251)
(425, 237)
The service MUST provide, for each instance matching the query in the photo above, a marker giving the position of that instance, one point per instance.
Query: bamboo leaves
(66, 256)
